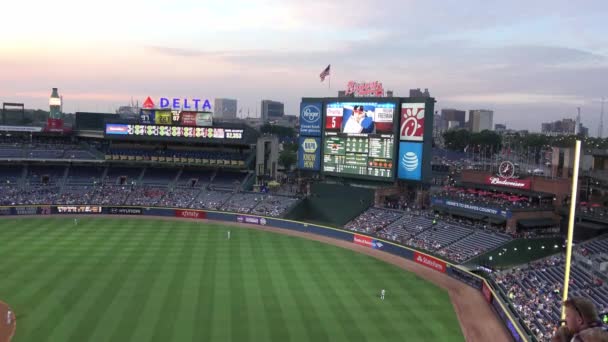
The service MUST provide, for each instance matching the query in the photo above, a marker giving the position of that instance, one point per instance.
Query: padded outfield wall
(437, 264)
(332, 204)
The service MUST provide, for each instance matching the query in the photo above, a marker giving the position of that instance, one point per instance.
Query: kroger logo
(311, 113)
(409, 161)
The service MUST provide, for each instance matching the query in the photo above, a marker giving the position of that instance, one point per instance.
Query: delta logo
(177, 103)
(430, 262)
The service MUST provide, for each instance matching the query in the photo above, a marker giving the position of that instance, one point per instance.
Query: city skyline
(520, 59)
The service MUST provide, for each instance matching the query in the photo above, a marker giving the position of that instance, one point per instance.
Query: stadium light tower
(573, 197)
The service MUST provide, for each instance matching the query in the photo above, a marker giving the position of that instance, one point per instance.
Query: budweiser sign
(509, 182)
(429, 262)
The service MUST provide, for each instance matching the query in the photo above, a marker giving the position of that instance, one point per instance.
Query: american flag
(325, 73)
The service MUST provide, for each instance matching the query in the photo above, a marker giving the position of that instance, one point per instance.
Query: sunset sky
(529, 61)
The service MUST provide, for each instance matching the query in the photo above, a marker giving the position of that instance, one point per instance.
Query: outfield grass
(152, 280)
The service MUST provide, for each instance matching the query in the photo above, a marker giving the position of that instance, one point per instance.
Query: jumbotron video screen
(359, 139)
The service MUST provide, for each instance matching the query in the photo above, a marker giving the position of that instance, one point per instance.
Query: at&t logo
(311, 113)
(410, 161)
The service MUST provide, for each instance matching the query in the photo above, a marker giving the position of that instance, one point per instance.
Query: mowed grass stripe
(254, 290)
(367, 289)
(157, 254)
(282, 274)
(291, 254)
(15, 234)
(31, 278)
(129, 309)
(75, 300)
(203, 329)
(239, 287)
(331, 282)
(52, 299)
(25, 258)
(164, 329)
(187, 304)
(222, 324)
(275, 317)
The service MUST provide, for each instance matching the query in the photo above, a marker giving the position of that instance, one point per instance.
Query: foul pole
(577, 157)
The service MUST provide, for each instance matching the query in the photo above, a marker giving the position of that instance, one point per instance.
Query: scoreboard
(359, 139)
(375, 138)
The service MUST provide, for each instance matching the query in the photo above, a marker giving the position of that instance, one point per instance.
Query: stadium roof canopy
(537, 222)
(528, 193)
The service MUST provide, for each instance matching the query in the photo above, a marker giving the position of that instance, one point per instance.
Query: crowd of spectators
(535, 289)
(425, 231)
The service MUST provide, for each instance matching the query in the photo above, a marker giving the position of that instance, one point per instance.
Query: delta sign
(178, 103)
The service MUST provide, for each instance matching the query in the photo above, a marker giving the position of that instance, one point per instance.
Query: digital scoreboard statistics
(359, 139)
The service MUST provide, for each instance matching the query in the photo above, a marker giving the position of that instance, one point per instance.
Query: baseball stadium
(167, 224)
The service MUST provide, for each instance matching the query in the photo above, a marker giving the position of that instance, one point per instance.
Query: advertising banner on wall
(366, 241)
(123, 211)
(204, 119)
(251, 219)
(430, 262)
(194, 214)
(309, 154)
(410, 161)
(509, 182)
(310, 119)
(412, 122)
(473, 207)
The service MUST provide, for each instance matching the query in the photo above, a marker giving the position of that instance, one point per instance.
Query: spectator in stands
(562, 334)
(583, 320)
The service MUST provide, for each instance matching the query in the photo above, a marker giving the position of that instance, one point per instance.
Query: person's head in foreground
(583, 322)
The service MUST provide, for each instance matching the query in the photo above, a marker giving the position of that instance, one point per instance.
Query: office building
(480, 120)
(225, 108)
(272, 110)
(452, 118)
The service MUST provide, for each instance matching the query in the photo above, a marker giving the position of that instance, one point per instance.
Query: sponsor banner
(78, 209)
(473, 207)
(509, 182)
(412, 122)
(310, 119)
(410, 161)
(124, 211)
(6, 211)
(54, 125)
(430, 262)
(487, 294)
(117, 129)
(188, 118)
(204, 119)
(20, 129)
(195, 214)
(251, 219)
(506, 320)
(44, 210)
(309, 154)
(366, 241)
(366, 89)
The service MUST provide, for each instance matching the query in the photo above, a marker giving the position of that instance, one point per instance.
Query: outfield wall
(439, 265)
